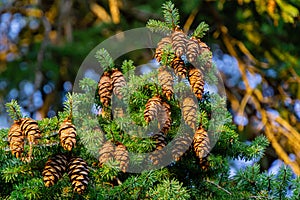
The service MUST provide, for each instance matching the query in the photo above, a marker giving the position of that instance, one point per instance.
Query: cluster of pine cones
(76, 168)
(110, 82)
(19, 130)
(189, 49)
(109, 152)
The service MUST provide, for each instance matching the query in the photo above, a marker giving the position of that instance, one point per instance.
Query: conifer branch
(158, 27)
(105, 60)
(14, 110)
(171, 14)
(201, 30)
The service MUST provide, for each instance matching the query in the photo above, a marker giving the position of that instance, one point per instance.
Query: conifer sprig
(14, 110)
(171, 14)
(201, 30)
(157, 26)
(104, 58)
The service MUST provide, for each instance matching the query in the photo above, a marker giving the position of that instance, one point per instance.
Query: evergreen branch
(201, 30)
(127, 67)
(14, 110)
(171, 14)
(105, 60)
(156, 26)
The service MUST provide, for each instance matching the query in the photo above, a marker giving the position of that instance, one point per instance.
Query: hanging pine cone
(67, 135)
(160, 142)
(201, 143)
(16, 139)
(164, 120)
(31, 130)
(118, 81)
(78, 173)
(153, 106)
(179, 67)
(54, 169)
(189, 111)
(106, 152)
(165, 79)
(193, 50)
(159, 50)
(179, 41)
(122, 156)
(196, 82)
(181, 145)
(105, 89)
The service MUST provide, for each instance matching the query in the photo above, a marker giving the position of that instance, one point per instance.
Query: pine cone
(160, 142)
(67, 135)
(201, 143)
(16, 139)
(193, 50)
(179, 67)
(165, 120)
(159, 50)
(196, 82)
(189, 111)
(105, 89)
(118, 81)
(122, 156)
(181, 145)
(179, 41)
(31, 130)
(106, 152)
(165, 79)
(78, 172)
(54, 169)
(153, 106)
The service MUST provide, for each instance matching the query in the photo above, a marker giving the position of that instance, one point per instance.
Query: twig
(218, 186)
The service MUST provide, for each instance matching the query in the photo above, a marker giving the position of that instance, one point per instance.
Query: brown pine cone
(159, 50)
(201, 143)
(181, 145)
(122, 156)
(179, 41)
(118, 82)
(179, 67)
(106, 152)
(164, 120)
(105, 89)
(67, 135)
(54, 169)
(30, 129)
(16, 139)
(165, 79)
(189, 111)
(78, 173)
(196, 82)
(153, 106)
(193, 50)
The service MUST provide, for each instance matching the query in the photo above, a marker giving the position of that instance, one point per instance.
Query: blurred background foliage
(255, 46)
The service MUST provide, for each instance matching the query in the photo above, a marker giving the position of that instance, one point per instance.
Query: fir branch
(14, 110)
(201, 30)
(105, 60)
(156, 26)
(128, 67)
(168, 55)
(171, 14)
